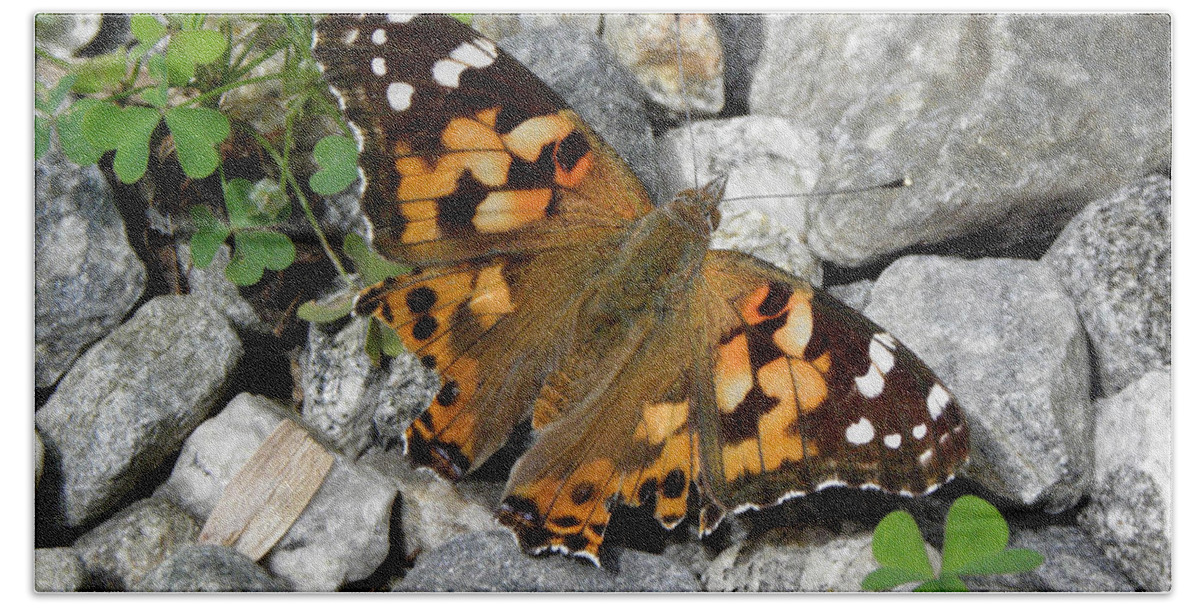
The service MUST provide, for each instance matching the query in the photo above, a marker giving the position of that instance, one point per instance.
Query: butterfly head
(699, 208)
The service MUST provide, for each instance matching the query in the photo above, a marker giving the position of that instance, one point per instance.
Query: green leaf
(372, 342)
(99, 73)
(898, 544)
(146, 29)
(974, 530)
(70, 133)
(338, 158)
(156, 96)
(371, 267)
(465, 18)
(389, 340)
(210, 235)
(196, 132)
(327, 311)
(1009, 561)
(41, 136)
(190, 48)
(947, 583)
(890, 577)
(257, 250)
(128, 131)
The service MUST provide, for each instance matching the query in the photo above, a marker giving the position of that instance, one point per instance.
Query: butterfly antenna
(687, 110)
(902, 182)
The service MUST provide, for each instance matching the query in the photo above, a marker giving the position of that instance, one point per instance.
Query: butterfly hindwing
(807, 393)
(623, 434)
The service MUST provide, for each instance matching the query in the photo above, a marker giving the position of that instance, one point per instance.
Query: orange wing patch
(568, 512)
(564, 515)
(437, 315)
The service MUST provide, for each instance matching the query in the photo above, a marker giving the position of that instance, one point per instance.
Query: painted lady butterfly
(549, 286)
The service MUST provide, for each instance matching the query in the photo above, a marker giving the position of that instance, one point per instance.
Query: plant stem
(308, 213)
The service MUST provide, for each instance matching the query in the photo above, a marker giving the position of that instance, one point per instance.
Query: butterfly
(547, 287)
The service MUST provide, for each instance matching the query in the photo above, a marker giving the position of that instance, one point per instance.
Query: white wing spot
(860, 432)
(925, 457)
(447, 71)
(870, 384)
(350, 37)
(881, 354)
(379, 66)
(401, 17)
(919, 431)
(487, 46)
(886, 339)
(472, 55)
(937, 400)
(379, 36)
(399, 95)
(892, 441)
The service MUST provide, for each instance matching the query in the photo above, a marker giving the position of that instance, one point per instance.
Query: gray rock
(130, 401)
(1130, 513)
(350, 400)
(58, 570)
(209, 568)
(502, 25)
(761, 155)
(752, 232)
(1073, 564)
(86, 277)
(1004, 337)
(856, 295)
(122, 550)
(342, 535)
(581, 69)
(994, 117)
(656, 46)
(812, 560)
(62, 34)
(491, 561)
(1114, 258)
(39, 458)
(433, 509)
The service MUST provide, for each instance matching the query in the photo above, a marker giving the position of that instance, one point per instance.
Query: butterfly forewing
(465, 153)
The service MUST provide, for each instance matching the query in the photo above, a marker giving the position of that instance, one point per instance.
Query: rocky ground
(1028, 263)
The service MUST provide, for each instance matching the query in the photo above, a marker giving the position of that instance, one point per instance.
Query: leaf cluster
(169, 85)
(976, 543)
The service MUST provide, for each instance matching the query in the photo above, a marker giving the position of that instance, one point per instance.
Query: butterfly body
(548, 288)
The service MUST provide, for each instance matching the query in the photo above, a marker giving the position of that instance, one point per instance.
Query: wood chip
(269, 492)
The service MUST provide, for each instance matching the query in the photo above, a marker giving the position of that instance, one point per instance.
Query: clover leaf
(196, 132)
(71, 133)
(126, 130)
(338, 157)
(210, 235)
(975, 544)
(190, 48)
(147, 30)
(256, 251)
